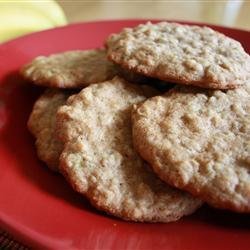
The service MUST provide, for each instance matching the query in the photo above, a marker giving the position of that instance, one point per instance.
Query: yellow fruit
(21, 17)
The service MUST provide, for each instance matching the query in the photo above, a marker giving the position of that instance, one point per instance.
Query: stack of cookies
(141, 152)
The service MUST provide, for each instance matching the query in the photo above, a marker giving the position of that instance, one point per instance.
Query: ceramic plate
(40, 209)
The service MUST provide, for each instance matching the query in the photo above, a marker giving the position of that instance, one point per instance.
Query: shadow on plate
(18, 98)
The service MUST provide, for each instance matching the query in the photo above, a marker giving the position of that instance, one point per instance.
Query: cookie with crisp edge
(199, 141)
(41, 124)
(71, 69)
(99, 160)
(184, 54)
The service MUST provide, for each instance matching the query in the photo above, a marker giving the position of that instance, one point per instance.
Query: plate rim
(212, 25)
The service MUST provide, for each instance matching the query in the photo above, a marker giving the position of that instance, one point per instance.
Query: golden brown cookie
(184, 54)
(199, 141)
(99, 160)
(42, 125)
(71, 69)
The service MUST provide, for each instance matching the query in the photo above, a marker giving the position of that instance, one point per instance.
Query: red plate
(40, 209)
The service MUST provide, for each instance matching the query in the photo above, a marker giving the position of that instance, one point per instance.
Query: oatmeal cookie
(99, 160)
(184, 54)
(71, 69)
(199, 141)
(41, 124)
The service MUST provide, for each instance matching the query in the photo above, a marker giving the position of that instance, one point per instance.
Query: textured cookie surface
(99, 160)
(183, 54)
(71, 69)
(199, 141)
(42, 125)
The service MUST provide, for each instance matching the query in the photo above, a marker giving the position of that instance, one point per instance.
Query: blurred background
(24, 16)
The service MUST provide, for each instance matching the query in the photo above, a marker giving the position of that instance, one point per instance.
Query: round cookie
(99, 160)
(71, 69)
(42, 123)
(184, 54)
(199, 141)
